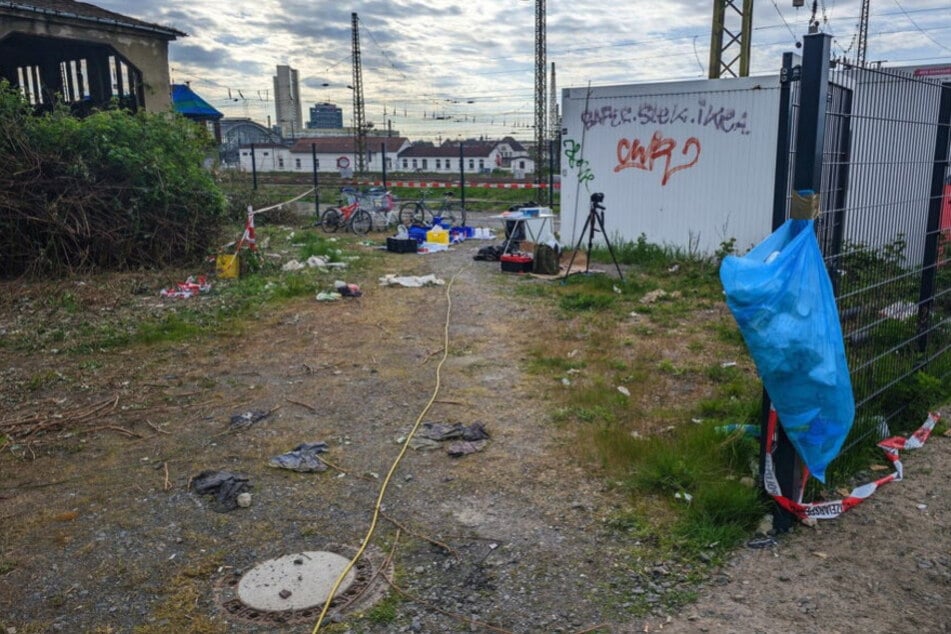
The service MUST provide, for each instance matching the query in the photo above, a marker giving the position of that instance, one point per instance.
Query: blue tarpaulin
(783, 302)
(189, 104)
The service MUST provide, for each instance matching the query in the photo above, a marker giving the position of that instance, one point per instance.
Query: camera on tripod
(596, 200)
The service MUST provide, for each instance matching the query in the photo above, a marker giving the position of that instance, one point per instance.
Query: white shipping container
(687, 164)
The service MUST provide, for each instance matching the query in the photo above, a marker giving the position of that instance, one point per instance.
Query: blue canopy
(187, 103)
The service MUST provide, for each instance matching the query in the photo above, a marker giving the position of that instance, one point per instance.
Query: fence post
(383, 157)
(807, 180)
(462, 175)
(254, 169)
(929, 265)
(313, 161)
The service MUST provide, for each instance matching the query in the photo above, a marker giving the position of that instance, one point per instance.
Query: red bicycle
(351, 216)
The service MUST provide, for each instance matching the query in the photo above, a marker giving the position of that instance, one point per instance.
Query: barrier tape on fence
(832, 509)
(442, 184)
(280, 204)
(248, 238)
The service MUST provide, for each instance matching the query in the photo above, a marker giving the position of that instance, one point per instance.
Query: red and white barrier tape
(832, 509)
(441, 184)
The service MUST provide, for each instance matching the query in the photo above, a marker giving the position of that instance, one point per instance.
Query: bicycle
(417, 212)
(380, 204)
(351, 216)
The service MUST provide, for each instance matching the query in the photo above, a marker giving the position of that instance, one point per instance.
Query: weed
(7, 565)
(384, 612)
(43, 379)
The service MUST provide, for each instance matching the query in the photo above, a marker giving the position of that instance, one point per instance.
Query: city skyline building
(325, 115)
(287, 108)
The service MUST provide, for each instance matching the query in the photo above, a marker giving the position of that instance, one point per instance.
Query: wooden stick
(305, 405)
(445, 547)
(156, 427)
(167, 485)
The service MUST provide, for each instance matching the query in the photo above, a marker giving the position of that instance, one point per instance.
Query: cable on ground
(396, 462)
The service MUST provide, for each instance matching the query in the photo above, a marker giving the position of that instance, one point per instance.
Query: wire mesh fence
(885, 233)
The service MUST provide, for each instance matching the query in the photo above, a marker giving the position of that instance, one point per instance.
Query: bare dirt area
(101, 533)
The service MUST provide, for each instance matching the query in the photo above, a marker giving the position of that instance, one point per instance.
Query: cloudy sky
(447, 69)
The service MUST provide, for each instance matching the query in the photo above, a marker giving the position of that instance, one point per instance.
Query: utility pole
(540, 77)
(359, 113)
(730, 38)
(863, 34)
(554, 123)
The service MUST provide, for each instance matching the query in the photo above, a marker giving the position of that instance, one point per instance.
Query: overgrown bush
(112, 191)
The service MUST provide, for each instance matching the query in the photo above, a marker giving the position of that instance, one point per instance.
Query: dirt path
(100, 533)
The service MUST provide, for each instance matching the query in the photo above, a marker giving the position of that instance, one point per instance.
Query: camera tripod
(595, 217)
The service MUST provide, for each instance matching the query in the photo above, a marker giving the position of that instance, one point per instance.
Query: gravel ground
(100, 532)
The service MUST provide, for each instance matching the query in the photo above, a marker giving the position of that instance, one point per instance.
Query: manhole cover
(294, 582)
(293, 588)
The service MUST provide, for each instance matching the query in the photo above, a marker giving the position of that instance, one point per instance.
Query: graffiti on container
(631, 153)
(704, 115)
(576, 161)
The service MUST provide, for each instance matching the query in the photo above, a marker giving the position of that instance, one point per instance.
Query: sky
(447, 70)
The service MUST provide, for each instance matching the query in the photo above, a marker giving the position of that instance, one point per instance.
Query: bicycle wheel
(414, 214)
(331, 220)
(361, 221)
(448, 212)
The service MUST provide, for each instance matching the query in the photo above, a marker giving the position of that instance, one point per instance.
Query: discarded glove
(224, 485)
(301, 458)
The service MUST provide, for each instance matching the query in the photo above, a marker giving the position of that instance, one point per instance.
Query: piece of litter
(623, 390)
(324, 296)
(411, 281)
(248, 418)
(728, 364)
(686, 497)
(465, 447)
(616, 289)
(921, 507)
(565, 382)
(292, 265)
(302, 458)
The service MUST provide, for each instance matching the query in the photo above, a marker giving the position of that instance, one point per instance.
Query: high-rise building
(287, 101)
(325, 115)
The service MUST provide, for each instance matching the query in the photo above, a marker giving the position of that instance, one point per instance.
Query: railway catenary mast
(359, 107)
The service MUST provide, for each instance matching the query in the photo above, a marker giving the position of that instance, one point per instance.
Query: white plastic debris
(411, 281)
(623, 390)
(292, 265)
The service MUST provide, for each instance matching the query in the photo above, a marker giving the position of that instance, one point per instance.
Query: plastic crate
(516, 263)
(401, 245)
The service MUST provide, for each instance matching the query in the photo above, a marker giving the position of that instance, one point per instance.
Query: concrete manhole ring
(292, 588)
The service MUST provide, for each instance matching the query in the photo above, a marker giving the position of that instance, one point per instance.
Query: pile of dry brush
(111, 191)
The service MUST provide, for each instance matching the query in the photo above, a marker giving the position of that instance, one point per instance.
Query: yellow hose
(399, 457)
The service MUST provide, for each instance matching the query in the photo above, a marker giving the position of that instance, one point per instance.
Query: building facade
(325, 116)
(287, 108)
(87, 57)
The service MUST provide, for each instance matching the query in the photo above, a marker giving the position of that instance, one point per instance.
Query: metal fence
(880, 144)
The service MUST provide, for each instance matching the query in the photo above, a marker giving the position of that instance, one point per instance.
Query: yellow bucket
(228, 266)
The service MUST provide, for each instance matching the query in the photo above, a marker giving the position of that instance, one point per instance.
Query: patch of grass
(585, 301)
(384, 612)
(6, 565)
(43, 379)
(174, 327)
(310, 243)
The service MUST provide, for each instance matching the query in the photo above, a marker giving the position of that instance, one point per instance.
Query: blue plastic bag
(782, 299)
